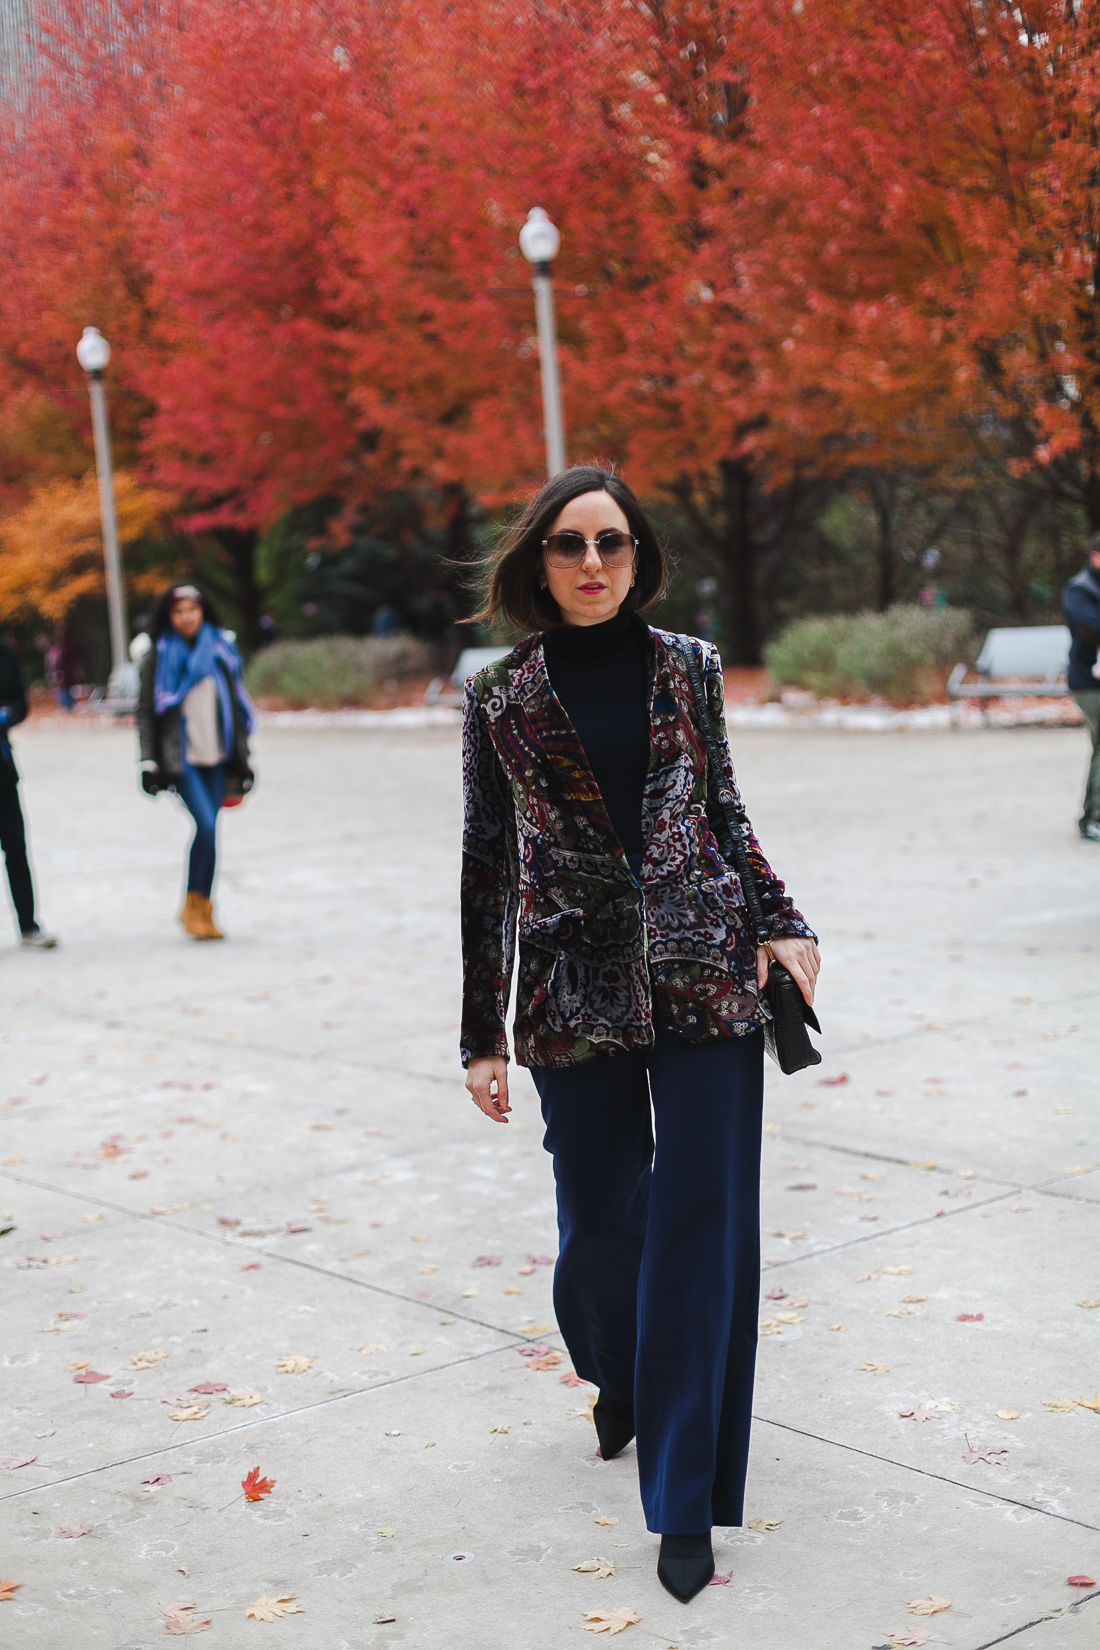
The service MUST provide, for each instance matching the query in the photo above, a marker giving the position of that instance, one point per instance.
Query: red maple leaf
(571, 1378)
(255, 1487)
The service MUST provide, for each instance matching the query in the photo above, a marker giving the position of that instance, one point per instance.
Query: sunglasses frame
(596, 545)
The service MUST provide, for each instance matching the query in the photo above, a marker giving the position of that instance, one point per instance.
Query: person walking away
(13, 835)
(638, 993)
(1081, 606)
(194, 718)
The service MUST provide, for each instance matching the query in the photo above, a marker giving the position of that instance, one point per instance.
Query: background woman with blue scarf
(194, 718)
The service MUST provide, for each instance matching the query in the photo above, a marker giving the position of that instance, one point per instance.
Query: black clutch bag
(785, 1033)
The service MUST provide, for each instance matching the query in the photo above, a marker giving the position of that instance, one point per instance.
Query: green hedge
(333, 670)
(905, 653)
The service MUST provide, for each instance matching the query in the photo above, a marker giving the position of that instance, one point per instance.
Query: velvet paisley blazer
(602, 954)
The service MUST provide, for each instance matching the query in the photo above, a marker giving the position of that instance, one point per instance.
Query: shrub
(333, 670)
(902, 654)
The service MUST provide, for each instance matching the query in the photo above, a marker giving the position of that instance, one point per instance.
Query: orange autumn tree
(51, 549)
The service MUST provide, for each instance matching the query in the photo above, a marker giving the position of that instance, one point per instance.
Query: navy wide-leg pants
(658, 1275)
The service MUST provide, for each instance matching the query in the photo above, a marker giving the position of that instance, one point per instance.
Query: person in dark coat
(1081, 606)
(194, 718)
(13, 836)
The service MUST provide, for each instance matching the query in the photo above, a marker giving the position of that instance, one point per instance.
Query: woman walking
(194, 718)
(638, 995)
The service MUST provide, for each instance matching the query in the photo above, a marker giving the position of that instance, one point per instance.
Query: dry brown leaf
(839, 1328)
(500, 1429)
(512, 1289)
(601, 1568)
(1061, 1406)
(269, 1609)
(179, 1626)
(243, 1398)
(897, 1271)
(603, 1519)
(7, 1589)
(427, 1269)
(364, 1351)
(898, 1312)
(294, 1365)
(788, 1317)
(70, 1532)
(871, 1368)
(90, 1217)
(1008, 1415)
(190, 1412)
(930, 1606)
(914, 1299)
(908, 1636)
(760, 1525)
(79, 1363)
(609, 1621)
(1091, 1403)
(865, 1176)
(1089, 1306)
(148, 1360)
(791, 1236)
(550, 1361)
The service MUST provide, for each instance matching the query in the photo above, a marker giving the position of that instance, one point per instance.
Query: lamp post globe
(539, 240)
(93, 351)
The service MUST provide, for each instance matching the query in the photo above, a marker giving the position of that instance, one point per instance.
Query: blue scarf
(180, 667)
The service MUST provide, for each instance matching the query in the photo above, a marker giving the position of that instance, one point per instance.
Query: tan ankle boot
(213, 932)
(192, 916)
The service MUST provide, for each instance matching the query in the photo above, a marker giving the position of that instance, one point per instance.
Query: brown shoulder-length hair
(515, 595)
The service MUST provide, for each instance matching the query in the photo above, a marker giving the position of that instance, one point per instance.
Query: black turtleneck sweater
(600, 674)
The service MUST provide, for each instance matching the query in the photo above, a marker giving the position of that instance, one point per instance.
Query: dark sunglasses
(615, 549)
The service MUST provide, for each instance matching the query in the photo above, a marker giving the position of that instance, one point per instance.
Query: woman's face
(590, 592)
(186, 617)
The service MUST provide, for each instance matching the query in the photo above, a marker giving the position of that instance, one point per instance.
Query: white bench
(1030, 660)
(449, 691)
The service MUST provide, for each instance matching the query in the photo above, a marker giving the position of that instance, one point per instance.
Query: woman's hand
(800, 958)
(480, 1076)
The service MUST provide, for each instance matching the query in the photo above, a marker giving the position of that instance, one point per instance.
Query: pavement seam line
(941, 1478)
(1038, 1622)
(228, 1242)
(195, 1441)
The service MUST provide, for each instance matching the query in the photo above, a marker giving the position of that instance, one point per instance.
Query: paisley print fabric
(602, 955)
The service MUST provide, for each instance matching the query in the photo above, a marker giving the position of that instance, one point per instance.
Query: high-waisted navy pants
(658, 1275)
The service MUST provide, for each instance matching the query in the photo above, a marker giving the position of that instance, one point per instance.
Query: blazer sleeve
(488, 895)
(783, 921)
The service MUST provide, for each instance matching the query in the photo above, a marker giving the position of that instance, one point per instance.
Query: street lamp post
(93, 352)
(539, 242)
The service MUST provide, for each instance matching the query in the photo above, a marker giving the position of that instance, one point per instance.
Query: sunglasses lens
(616, 549)
(565, 549)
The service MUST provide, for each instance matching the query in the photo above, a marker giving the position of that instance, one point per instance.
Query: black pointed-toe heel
(614, 1425)
(685, 1565)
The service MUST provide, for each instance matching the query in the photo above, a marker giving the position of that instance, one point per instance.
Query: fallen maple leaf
(928, 1606)
(208, 1388)
(761, 1525)
(833, 1082)
(70, 1532)
(871, 1368)
(601, 1568)
(243, 1398)
(365, 1351)
(898, 1312)
(969, 1317)
(919, 1414)
(293, 1365)
(10, 1463)
(89, 1377)
(982, 1452)
(1090, 1403)
(609, 1621)
(488, 1260)
(190, 1412)
(908, 1636)
(603, 1519)
(123, 1392)
(1008, 1415)
(255, 1487)
(268, 1609)
(571, 1378)
(914, 1299)
(148, 1360)
(7, 1589)
(551, 1361)
(840, 1328)
(1061, 1406)
(720, 1581)
(866, 1277)
(429, 1268)
(897, 1271)
(792, 1236)
(538, 1351)
(157, 1479)
(1090, 1305)
(178, 1620)
(1071, 1581)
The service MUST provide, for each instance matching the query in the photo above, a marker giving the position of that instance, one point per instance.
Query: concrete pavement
(237, 1156)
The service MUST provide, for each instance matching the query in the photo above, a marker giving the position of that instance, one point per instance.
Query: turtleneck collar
(591, 641)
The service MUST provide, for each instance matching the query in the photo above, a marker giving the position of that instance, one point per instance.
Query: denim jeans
(201, 791)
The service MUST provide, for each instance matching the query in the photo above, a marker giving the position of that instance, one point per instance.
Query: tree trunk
(460, 551)
(239, 544)
(885, 550)
(739, 553)
(1092, 500)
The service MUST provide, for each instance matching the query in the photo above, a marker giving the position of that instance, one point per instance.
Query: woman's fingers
(481, 1077)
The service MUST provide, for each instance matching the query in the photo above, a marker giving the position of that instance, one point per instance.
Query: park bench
(449, 690)
(1030, 660)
